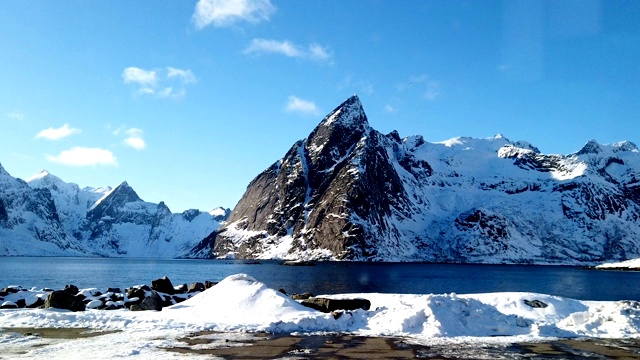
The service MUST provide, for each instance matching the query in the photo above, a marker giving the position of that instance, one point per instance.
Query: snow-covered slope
(350, 192)
(46, 216)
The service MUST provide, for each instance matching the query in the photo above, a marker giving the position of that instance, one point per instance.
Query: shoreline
(228, 345)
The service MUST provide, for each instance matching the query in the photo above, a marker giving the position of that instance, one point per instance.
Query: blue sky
(189, 100)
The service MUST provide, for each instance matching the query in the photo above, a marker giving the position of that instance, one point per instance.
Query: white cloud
(81, 156)
(317, 52)
(266, 46)
(164, 83)
(140, 76)
(186, 76)
(134, 139)
(222, 13)
(59, 133)
(433, 90)
(295, 104)
(14, 115)
(390, 109)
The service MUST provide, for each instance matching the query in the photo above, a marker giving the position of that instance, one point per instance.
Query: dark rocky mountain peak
(123, 194)
(337, 134)
(112, 202)
(591, 147)
(349, 192)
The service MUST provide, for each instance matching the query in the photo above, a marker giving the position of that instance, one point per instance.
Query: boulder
(151, 302)
(8, 305)
(209, 284)
(196, 287)
(71, 289)
(302, 296)
(328, 305)
(58, 299)
(61, 299)
(114, 290)
(21, 303)
(536, 304)
(181, 289)
(39, 302)
(77, 303)
(163, 285)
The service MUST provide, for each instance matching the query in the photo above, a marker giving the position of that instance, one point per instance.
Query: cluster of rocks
(160, 294)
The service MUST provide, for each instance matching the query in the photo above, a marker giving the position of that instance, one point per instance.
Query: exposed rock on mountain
(350, 192)
(46, 216)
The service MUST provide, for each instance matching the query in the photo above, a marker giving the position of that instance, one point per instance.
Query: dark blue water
(327, 277)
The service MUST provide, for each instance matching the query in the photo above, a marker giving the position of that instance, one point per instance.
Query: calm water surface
(326, 277)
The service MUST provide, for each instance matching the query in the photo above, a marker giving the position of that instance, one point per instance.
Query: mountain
(350, 192)
(46, 216)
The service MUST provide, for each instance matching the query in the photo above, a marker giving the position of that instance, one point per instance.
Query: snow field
(242, 304)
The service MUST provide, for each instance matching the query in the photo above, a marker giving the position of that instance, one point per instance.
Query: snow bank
(240, 303)
(633, 264)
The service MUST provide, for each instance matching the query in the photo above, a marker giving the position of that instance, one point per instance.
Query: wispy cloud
(223, 13)
(433, 91)
(161, 83)
(59, 133)
(313, 51)
(15, 115)
(140, 76)
(296, 104)
(185, 76)
(134, 139)
(389, 109)
(82, 156)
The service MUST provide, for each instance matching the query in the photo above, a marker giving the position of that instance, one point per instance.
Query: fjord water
(326, 277)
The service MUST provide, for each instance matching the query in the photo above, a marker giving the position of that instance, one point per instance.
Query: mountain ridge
(349, 192)
(46, 216)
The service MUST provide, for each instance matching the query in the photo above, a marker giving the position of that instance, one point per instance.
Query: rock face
(46, 216)
(349, 192)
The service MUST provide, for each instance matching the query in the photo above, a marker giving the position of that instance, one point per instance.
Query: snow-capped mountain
(46, 216)
(349, 192)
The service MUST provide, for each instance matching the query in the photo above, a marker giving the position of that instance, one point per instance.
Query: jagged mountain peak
(43, 177)
(624, 146)
(591, 147)
(125, 192)
(337, 133)
(349, 114)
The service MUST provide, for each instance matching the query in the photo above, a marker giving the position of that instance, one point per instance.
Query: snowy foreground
(240, 303)
(633, 264)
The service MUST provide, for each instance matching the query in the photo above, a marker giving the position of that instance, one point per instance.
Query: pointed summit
(348, 114)
(338, 132)
(124, 193)
(591, 147)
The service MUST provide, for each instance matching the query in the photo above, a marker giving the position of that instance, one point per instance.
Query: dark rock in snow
(329, 305)
(163, 285)
(196, 287)
(38, 303)
(151, 302)
(209, 284)
(8, 305)
(181, 289)
(302, 296)
(71, 289)
(535, 303)
(62, 299)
